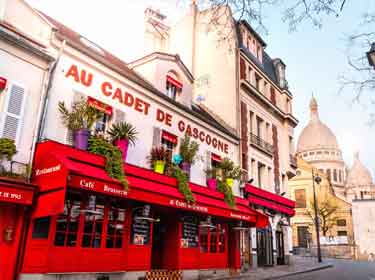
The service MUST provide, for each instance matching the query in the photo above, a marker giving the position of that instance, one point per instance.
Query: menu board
(189, 232)
(140, 230)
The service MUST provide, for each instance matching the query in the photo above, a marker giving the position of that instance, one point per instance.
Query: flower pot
(159, 166)
(122, 145)
(81, 139)
(229, 182)
(212, 184)
(185, 166)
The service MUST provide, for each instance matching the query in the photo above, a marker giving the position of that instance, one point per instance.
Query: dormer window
(173, 85)
(280, 72)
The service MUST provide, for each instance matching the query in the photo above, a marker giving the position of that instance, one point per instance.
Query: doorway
(245, 249)
(302, 233)
(280, 259)
(264, 247)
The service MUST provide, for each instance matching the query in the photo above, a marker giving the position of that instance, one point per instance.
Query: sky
(315, 58)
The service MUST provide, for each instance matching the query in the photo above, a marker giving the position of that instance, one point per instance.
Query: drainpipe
(43, 107)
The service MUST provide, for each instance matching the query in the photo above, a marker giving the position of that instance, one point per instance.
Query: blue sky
(315, 58)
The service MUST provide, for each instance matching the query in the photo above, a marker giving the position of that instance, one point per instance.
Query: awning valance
(270, 200)
(59, 166)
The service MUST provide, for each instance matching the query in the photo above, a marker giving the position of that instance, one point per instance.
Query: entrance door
(158, 240)
(302, 232)
(280, 247)
(264, 247)
(245, 249)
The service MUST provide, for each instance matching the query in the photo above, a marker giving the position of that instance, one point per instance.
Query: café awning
(58, 167)
(270, 200)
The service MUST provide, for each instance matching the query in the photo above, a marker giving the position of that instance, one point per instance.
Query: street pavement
(341, 270)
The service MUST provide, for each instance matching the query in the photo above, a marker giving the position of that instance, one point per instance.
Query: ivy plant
(114, 164)
(228, 193)
(183, 184)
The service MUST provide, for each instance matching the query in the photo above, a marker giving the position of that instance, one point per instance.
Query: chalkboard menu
(140, 228)
(189, 232)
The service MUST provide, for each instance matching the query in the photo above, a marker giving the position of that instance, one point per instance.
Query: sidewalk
(300, 265)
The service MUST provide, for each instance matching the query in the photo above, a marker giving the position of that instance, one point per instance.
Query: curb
(300, 272)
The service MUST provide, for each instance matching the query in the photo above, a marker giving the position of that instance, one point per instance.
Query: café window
(41, 228)
(212, 239)
(67, 224)
(300, 198)
(141, 226)
(93, 213)
(115, 226)
(215, 160)
(189, 232)
(173, 85)
(101, 124)
(169, 141)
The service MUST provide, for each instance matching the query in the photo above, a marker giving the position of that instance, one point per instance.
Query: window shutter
(14, 110)
(242, 69)
(77, 96)
(156, 141)
(119, 116)
(208, 160)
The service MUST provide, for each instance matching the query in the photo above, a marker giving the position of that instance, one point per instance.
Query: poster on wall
(138, 239)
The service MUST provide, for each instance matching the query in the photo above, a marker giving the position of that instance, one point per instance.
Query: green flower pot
(159, 166)
(229, 182)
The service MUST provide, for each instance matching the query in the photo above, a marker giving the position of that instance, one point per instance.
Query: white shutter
(156, 140)
(13, 113)
(119, 116)
(77, 96)
(208, 160)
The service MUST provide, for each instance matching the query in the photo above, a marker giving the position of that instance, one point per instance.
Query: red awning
(215, 157)
(16, 192)
(169, 137)
(58, 165)
(106, 109)
(270, 200)
(174, 82)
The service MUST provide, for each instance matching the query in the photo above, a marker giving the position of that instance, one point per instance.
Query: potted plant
(188, 151)
(7, 150)
(122, 134)
(212, 174)
(80, 120)
(158, 158)
(230, 172)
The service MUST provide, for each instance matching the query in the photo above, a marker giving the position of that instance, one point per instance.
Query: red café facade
(85, 221)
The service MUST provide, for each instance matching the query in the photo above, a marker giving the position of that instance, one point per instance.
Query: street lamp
(371, 55)
(316, 179)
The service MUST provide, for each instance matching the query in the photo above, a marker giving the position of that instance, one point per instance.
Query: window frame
(299, 203)
(220, 245)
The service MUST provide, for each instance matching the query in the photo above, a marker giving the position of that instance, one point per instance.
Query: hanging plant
(228, 193)
(183, 184)
(114, 164)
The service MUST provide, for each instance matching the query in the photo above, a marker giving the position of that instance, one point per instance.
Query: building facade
(22, 50)
(248, 93)
(337, 239)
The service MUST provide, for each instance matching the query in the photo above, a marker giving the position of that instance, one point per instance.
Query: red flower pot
(122, 145)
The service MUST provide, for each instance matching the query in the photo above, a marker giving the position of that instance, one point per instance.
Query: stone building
(247, 91)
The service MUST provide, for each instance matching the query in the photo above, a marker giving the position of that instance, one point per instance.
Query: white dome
(358, 174)
(316, 135)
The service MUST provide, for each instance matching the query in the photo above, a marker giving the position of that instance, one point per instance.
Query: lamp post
(371, 55)
(316, 179)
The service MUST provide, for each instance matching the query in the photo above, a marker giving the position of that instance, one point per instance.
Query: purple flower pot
(81, 139)
(212, 184)
(185, 166)
(122, 145)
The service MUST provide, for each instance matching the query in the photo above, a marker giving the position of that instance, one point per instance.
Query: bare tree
(327, 209)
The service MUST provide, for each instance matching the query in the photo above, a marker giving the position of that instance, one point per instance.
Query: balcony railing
(258, 142)
(293, 161)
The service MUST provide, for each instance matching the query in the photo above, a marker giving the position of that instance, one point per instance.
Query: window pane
(41, 228)
(71, 240)
(59, 239)
(86, 241)
(222, 240)
(140, 228)
(203, 239)
(213, 240)
(190, 231)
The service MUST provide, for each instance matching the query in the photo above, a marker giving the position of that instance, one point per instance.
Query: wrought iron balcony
(262, 145)
(293, 161)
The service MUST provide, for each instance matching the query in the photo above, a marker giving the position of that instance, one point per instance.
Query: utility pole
(316, 179)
